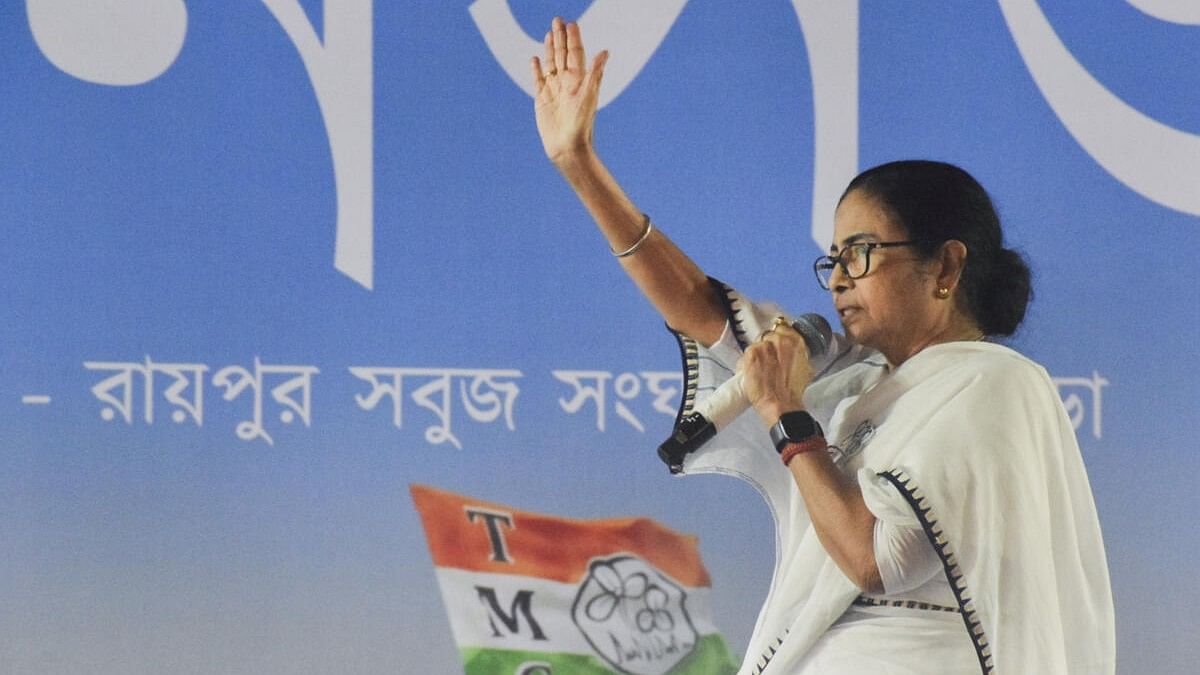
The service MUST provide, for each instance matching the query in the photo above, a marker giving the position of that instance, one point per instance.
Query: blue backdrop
(213, 212)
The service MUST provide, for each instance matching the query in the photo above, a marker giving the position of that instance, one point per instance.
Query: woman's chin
(848, 329)
(857, 335)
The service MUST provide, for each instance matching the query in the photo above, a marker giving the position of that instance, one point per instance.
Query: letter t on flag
(528, 592)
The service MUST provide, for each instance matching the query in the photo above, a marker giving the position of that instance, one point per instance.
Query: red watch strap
(806, 445)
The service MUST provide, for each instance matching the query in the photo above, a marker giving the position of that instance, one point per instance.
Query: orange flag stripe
(547, 546)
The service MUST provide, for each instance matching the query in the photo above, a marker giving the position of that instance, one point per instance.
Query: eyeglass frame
(829, 262)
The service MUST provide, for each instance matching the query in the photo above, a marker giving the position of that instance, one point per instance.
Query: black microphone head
(816, 332)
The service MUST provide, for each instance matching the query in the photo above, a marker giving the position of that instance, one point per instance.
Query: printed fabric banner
(531, 594)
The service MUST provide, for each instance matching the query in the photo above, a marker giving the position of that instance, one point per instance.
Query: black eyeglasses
(855, 260)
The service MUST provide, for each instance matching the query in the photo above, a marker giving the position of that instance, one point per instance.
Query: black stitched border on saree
(766, 657)
(958, 585)
(725, 295)
(689, 352)
(689, 349)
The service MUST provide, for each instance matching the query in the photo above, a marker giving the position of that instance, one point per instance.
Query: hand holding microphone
(775, 371)
(779, 375)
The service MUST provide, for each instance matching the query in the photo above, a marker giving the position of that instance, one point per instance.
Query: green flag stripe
(711, 657)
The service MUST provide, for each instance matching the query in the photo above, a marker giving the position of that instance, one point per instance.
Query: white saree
(975, 438)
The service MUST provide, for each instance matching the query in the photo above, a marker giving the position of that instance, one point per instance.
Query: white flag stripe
(549, 605)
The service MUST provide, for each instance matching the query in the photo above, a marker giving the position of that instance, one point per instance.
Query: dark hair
(936, 202)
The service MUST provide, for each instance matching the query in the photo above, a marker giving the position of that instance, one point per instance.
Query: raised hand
(566, 96)
(567, 92)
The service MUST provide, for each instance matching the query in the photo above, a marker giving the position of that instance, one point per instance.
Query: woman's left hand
(776, 371)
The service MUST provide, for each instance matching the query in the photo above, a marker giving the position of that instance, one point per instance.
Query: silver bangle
(641, 240)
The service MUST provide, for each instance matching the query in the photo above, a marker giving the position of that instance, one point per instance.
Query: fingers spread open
(548, 64)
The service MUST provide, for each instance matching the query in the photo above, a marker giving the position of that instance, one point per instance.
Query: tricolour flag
(530, 594)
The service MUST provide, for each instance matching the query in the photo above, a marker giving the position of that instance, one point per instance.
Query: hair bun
(1005, 293)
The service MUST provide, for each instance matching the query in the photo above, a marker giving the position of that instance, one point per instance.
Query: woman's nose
(838, 279)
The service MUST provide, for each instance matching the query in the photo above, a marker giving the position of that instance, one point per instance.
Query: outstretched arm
(565, 106)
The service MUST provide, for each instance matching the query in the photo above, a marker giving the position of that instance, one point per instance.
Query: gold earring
(943, 293)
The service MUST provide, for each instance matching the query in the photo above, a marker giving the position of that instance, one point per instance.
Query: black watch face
(798, 426)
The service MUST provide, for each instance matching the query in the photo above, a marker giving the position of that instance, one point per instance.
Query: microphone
(729, 400)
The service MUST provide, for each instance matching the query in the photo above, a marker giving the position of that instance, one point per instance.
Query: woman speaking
(933, 513)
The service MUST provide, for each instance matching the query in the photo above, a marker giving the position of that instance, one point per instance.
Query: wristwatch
(794, 427)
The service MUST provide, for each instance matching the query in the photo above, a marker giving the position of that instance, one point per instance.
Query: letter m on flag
(528, 592)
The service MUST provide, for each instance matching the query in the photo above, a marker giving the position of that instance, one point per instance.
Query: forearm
(673, 283)
(776, 371)
(840, 517)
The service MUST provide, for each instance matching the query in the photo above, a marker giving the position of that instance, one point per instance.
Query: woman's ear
(953, 260)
